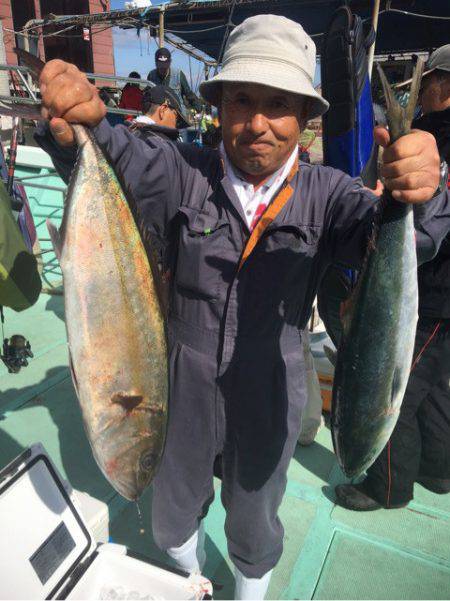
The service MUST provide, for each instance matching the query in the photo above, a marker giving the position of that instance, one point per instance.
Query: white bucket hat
(272, 51)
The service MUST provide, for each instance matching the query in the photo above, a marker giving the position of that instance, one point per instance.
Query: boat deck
(330, 553)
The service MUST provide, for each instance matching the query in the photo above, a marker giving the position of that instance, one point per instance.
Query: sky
(133, 53)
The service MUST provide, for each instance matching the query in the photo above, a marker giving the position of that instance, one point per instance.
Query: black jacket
(434, 277)
(144, 130)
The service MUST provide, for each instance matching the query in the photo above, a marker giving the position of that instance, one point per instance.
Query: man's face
(434, 93)
(260, 126)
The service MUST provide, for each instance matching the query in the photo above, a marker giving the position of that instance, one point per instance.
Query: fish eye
(148, 460)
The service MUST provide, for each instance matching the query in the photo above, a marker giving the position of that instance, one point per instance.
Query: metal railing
(34, 101)
(88, 75)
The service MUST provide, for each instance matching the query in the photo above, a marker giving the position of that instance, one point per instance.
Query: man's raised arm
(143, 167)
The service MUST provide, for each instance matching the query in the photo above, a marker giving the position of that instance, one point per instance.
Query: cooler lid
(43, 536)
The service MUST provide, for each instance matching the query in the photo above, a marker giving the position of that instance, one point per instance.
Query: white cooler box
(47, 551)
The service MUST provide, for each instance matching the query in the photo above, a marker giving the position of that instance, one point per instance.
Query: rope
(194, 30)
(426, 345)
(411, 14)
(415, 362)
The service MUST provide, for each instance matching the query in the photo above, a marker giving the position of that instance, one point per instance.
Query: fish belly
(374, 361)
(115, 326)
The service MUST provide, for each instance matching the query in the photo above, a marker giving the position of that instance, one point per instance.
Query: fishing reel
(16, 352)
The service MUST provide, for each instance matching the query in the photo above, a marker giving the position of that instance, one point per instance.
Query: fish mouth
(126, 487)
(123, 479)
(129, 482)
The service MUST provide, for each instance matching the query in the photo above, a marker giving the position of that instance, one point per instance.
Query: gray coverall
(237, 377)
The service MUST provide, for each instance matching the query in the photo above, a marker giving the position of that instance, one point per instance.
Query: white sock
(191, 556)
(253, 589)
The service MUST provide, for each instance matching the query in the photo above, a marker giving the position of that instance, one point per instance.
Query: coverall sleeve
(189, 95)
(432, 221)
(350, 216)
(63, 158)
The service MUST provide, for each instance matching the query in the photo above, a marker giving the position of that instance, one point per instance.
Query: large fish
(375, 354)
(115, 324)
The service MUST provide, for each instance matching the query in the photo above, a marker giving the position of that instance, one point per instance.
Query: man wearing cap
(162, 115)
(165, 74)
(252, 232)
(419, 448)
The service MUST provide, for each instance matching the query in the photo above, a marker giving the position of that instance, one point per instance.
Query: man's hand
(68, 97)
(410, 166)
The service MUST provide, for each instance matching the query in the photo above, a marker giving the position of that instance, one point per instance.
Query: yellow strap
(269, 215)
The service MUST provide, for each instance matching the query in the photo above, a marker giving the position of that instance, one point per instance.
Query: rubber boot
(440, 486)
(251, 588)
(357, 498)
(191, 556)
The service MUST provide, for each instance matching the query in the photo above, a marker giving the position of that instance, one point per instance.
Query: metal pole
(4, 67)
(189, 51)
(27, 85)
(26, 34)
(161, 25)
(16, 102)
(375, 15)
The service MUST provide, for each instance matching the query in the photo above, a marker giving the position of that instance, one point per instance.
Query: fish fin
(55, 236)
(161, 281)
(34, 63)
(345, 313)
(396, 388)
(331, 355)
(400, 119)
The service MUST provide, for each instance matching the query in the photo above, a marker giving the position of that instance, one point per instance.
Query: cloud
(124, 38)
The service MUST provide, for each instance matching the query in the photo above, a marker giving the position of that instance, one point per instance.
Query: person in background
(419, 448)
(131, 95)
(165, 74)
(162, 115)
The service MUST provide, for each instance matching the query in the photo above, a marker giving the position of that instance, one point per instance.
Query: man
(419, 448)
(162, 115)
(242, 285)
(165, 74)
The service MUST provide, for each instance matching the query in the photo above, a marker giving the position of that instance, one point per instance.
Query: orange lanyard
(269, 215)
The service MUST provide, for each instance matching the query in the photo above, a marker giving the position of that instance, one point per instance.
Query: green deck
(330, 553)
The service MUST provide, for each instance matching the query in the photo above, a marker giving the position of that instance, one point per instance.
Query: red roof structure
(91, 48)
